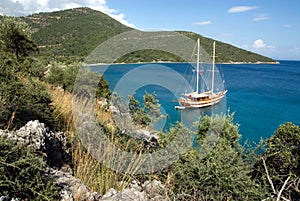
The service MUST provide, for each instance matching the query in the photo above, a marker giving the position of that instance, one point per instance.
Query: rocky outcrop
(51, 144)
(148, 191)
(72, 188)
(7, 198)
(125, 123)
(54, 147)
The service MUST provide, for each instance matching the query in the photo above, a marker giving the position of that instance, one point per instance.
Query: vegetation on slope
(76, 32)
(22, 175)
(226, 52)
(22, 97)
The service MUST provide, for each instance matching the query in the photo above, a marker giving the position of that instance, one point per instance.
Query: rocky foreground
(54, 147)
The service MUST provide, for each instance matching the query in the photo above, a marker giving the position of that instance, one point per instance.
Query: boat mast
(198, 60)
(213, 67)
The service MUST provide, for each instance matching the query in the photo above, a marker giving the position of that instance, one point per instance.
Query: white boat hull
(212, 100)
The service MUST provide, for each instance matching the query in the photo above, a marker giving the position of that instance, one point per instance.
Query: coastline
(258, 62)
(157, 62)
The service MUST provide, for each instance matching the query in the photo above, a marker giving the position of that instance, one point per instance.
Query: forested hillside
(226, 52)
(76, 32)
(73, 32)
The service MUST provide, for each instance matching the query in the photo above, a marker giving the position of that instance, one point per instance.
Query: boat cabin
(199, 97)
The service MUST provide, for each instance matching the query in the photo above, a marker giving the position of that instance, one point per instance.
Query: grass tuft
(92, 172)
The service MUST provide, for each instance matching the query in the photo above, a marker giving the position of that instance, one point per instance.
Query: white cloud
(261, 17)
(27, 7)
(121, 18)
(202, 23)
(261, 45)
(239, 9)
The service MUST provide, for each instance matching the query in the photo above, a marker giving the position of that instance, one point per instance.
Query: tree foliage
(22, 98)
(280, 162)
(62, 74)
(220, 174)
(149, 111)
(22, 175)
(15, 37)
(102, 90)
(226, 52)
(73, 32)
(138, 114)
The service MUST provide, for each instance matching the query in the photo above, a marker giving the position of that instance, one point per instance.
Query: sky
(267, 27)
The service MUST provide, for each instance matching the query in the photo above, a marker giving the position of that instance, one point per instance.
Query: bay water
(262, 96)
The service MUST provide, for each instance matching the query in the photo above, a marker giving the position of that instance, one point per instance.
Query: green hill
(226, 52)
(76, 32)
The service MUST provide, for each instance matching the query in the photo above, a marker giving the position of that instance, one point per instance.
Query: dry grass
(98, 177)
(62, 104)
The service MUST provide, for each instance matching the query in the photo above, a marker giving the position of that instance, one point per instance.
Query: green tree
(63, 74)
(103, 89)
(227, 129)
(279, 166)
(152, 106)
(23, 99)
(56, 74)
(138, 114)
(15, 37)
(146, 113)
(221, 173)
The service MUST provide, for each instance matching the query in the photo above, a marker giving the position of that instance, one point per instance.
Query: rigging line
(186, 69)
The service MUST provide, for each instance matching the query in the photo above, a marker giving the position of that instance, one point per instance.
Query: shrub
(22, 175)
(279, 166)
(148, 112)
(15, 37)
(221, 174)
(102, 90)
(23, 99)
(63, 75)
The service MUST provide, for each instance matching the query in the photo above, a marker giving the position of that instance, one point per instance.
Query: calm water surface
(263, 96)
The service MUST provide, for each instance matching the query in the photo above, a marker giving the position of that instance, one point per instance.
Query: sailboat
(204, 98)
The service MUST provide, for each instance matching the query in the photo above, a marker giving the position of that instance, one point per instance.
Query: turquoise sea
(263, 96)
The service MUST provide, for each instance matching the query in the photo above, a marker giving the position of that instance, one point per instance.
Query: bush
(103, 89)
(22, 99)
(22, 175)
(221, 174)
(281, 159)
(63, 75)
(149, 111)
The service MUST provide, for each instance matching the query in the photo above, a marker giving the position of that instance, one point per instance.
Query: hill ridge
(78, 31)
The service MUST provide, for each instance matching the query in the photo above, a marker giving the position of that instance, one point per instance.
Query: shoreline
(175, 62)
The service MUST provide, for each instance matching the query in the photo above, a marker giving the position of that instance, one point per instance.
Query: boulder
(148, 191)
(72, 188)
(52, 144)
